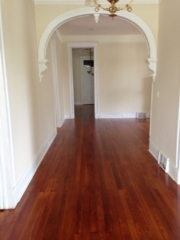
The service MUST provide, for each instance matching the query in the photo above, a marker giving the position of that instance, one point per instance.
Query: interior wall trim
(7, 169)
(20, 188)
(173, 171)
(55, 79)
(133, 19)
(120, 115)
(67, 116)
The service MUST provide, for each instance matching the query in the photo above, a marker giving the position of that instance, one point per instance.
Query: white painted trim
(96, 91)
(67, 116)
(7, 173)
(20, 188)
(42, 67)
(178, 140)
(153, 150)
(82, 45)
(82, 92)
(133, 19)
(120, 115)
(57, 107)
(178, 176)
(173, 172)
(152, 91)
(59, 36)
(73, 2)
(117, 115)
(152, 66)
(71, 82)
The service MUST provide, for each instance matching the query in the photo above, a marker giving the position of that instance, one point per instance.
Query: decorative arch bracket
(152, 66)
(42, 67)
(96, 17)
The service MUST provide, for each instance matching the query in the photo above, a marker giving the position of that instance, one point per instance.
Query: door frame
(7, 170)
(93, 45)
(178, 146)
(55, 77)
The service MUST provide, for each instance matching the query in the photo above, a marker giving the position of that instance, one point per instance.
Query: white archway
(57, 22)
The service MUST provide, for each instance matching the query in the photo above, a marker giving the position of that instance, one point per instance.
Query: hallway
(97, 182)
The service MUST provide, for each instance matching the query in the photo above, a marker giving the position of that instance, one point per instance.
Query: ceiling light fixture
(112, 9)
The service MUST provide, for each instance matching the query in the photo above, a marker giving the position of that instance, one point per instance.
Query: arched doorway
(60, 20)
(57, 22)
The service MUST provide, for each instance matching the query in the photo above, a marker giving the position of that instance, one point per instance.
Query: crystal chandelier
(112, 9)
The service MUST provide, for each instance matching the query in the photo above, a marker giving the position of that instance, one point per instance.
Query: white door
(87, 83)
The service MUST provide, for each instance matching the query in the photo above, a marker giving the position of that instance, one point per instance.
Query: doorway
(83, 80)
(87, 81)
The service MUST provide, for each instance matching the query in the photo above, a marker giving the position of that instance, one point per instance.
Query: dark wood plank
(97, 182)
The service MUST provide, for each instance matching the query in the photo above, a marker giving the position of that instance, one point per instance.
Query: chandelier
(112, 9)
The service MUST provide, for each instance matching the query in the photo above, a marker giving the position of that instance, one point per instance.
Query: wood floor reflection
(97, 182)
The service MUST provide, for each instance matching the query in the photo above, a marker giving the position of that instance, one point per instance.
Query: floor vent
(163, 162)
(141, 115)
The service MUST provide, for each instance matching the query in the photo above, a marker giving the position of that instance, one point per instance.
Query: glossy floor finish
(97, 182)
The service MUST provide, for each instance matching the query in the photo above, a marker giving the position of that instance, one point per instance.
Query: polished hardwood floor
(97, 182)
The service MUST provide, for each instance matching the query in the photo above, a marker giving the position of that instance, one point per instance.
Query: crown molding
(74, 2)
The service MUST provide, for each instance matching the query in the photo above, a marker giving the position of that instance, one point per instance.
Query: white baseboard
(61, 122)
(116, 115)
(67, 116)
(178, 177)
(173, 172)
(153, 150)
(119, 115)
(28, 175)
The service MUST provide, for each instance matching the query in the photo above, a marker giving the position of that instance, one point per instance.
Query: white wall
(31, 102)
(124, 81)
(60, 64)
(165, 112)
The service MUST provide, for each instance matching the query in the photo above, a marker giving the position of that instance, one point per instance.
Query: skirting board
(153, 150)
(173, 172)
(60, 123)
(119, 115)
(67, 116)
(20, 188)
